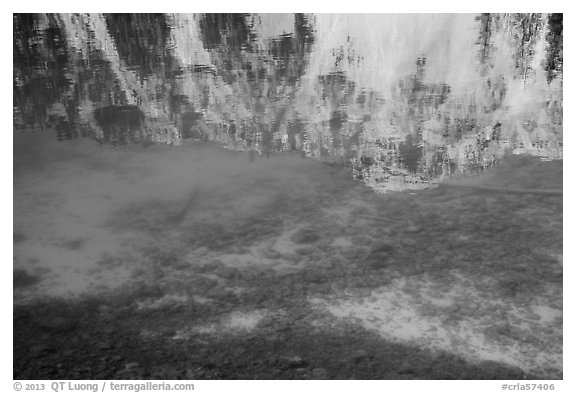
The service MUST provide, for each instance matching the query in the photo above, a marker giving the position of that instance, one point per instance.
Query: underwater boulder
(23, 279)
(305, 235)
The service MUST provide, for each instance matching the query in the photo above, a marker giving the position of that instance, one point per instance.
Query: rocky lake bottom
(302, 275)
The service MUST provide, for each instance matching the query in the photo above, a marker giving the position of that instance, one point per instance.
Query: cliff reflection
(404, 100)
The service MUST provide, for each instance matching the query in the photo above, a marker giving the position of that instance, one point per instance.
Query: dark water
(258, 167)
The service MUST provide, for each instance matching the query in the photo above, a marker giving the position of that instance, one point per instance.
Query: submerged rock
(314, 277)
(379, 262)
(351, 253)
(358, 355)
(74, 244)
(406, 368)
(304, 251)
(292, 362)
(294, 258)
(218, 292)
(382, 247)
(380, 254)
(58, 324)
(412, 229)
(23, 279)
(270, 253)
(200, 285)
(320, 373)
(18, 237)
(362, 240)
(41, 349)
(305, 235)
(227, 272)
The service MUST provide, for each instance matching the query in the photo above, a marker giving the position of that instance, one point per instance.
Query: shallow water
(402, 173)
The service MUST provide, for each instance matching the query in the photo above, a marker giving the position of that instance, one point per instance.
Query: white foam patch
(342, 242)
(201, 299)
(256, 257)
(168, 300)
(454, 317)
(243, 321)
(233, 323)
(284, 244)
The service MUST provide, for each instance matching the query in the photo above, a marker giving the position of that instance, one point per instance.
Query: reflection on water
(404, 100)
(122, 188)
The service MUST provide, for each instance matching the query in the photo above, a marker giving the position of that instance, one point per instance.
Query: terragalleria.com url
(136, 387)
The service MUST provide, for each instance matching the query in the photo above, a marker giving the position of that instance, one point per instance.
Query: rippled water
(359, 166)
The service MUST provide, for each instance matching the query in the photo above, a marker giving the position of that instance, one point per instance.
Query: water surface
(234, 174)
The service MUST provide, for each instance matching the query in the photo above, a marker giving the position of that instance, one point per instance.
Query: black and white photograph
(287, 196)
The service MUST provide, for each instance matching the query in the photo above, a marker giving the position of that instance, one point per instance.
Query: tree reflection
(141, 41)
(40, 79)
